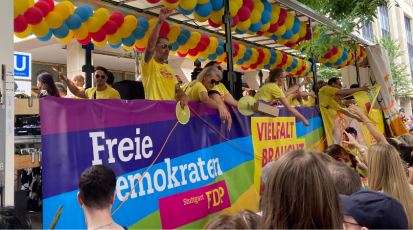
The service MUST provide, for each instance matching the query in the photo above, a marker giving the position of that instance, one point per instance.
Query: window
(384, 21)
(367, 32)
(409, 42)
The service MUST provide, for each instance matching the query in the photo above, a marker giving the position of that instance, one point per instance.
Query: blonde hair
(209, 72)
(386, 175)
(79, 77)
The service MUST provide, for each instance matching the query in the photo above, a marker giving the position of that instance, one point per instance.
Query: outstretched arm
(181, 96)
(220, 106)
(348, 114)
(77, 92)
(293, 111)
(351, 91)
(370, 126)
(294, 88)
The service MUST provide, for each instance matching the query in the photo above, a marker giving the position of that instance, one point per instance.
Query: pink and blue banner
(197, 176)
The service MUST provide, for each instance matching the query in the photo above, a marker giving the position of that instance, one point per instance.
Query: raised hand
(165, 13)
(365, 87)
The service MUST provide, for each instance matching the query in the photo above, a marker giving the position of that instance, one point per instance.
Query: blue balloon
(248, 50)
(296, 28)
(185, 12)
(293, 65)
(267, 5)
(345, 50)
(186, 32)
(89, 9)
(217, 4)
(267, 66)
(272, 60)
(328, 64)
(275, 37)
(255, 27)
(239, 62)
(143, 22)
(129, 41)
(221, 42)
(138, 32)
(273, 53)
(62, 31)
(47, 37)
(175, 46)
(182, 39)
(288, 69)
(345, 56)
(247, 56)
(240, 31)
(74, 22)
(202, 60)
(265, 17)
(83, 13)
(203, 10)
(219, 51)
(213, 56)
(338, 62)
(115, 46)
(288, 34)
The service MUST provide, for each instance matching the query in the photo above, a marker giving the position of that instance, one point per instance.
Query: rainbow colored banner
(197, 176)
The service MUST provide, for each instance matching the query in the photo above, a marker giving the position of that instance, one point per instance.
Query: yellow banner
(366, 99)
(378, 116)
(271, 138)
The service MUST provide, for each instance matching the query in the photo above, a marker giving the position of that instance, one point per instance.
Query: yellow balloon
(196, 36)
(251, 33)
(289, 21)
(254, 52)
(41, 29)
(170, 5)
(172, 52)
(183, 49)
(187, 4)
(25, 33)
(214, 40)
(233, 8)
(101, 15)
(125, 30)
(280, 31)
(63, 10)
(172, 37)
(275, 8)
(241, 48)
(31, 3)
(23, 5)
(267, 52)
(191, 43)
(255, 16)
(294, 38)
(303, 30)
(237, 66)
(274, 17)
(81, 33)
(253, 59)
(216, 16)
(115, 38)
(142, 43)
(204, 54)
(16, 11)
(259, 6)
(239, 3)
(268, 35)
(202, 2)
(102, 43)
(333, 59)
(322, 60)
(127, 47)
(93, 24)
(192, 58)
(70, 5)
(265, 27)
(176, 30)
(220, 58)
(211, 48)
(282, 41)
(244, 25)
(151, 22)
(54, 20)
(246, 64)
(67, 39)
(131, 21)
(199, 18)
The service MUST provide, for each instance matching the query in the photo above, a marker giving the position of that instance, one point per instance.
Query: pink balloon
(110, 27)
(33, 15)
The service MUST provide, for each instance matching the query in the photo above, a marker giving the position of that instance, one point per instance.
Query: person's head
(250, 218)
(352, 131)
(215, 64)
(393, 142)
(97, 188)
(300, 194)
(79, 80)
(368, 209)
(265, 171)
(354, 86)
(335, 82)
(195, 73)
(277, 75)
(405, 152)
(110, 80)
(224, 221)
(162, 49)
(209, 77)
(324, 157)
(346, 179)
(45, 82)
(100, 76)
(61, 88)
(180, 83)
(11, 218)
(408, 138)
(338, 153)
(320, 83)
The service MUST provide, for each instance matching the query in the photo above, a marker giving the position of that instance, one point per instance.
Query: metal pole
(260, 75)
(229, 47)
(357, 65)
(314, 67)
(88, 68)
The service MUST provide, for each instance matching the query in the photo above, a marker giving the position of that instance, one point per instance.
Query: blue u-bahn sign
(22, 66)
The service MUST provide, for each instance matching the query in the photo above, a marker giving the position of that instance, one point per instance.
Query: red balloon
(165, 27)
(171, 1)
(244, 13)
(260, 33)
(253, 66)
(117, 19)
(235, 21)
(339, 67)
(249, 4)
(20, 24)
(193, 52)
(201, 46)
(243, 68)
(225, 59)
(99, 36)
(261, 53)
(86, 40)
(236, 46)
(205, 38)
(283, 12)
(44, 7)
(334, 50)
(281, 20)
(284, 60)
(235, 53)
(259, 60)
(140, 49)
(118, 13)
(213, 24)
(182, 55)
(162, 34)
(328, 55)
(289, 44)
(153, 1)
(284, 56)
(298, 72)
(33, 15)
(302, 68)
(50, 3)
(348, 63)
(110, 27)
(273, 28)
(361, 52)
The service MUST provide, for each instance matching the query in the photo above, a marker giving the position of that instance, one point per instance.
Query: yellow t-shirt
(221, 89)
(326, 99)
(158, 80)
(193, 89)
(81, 88)
(108, 93)
(292, 102)
(355, 151)
(269, 92)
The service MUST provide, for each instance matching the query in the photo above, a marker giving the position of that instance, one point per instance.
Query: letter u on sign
(22, 66)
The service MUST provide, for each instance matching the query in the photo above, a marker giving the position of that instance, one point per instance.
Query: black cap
(350, 130)
(374, 210)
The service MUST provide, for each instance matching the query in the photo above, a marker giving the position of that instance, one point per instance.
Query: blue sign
(22, 66)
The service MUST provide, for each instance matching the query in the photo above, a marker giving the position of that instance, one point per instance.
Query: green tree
(400, 72)
(324, 73)
(137, 56)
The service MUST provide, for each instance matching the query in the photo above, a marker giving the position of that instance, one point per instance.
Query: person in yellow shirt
(271, 91)
(326, 95)
(158, 78)
(361, 166)
(292, 99)
(101, 91)
(197, 90)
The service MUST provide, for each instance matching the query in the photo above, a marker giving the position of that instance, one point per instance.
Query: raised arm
(222, 109)
(370, 126)
(294, 88)
(181, 96)
(303, 94)
(77, 92)
(153, 36)
(351, 91)
(293, 111)
(348, 114)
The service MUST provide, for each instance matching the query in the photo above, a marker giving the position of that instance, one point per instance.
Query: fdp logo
(22, 65)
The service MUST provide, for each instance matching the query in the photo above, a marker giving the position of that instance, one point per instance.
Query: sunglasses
(100, 76)
(220, 68)
(213, 81)
(165, 45)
